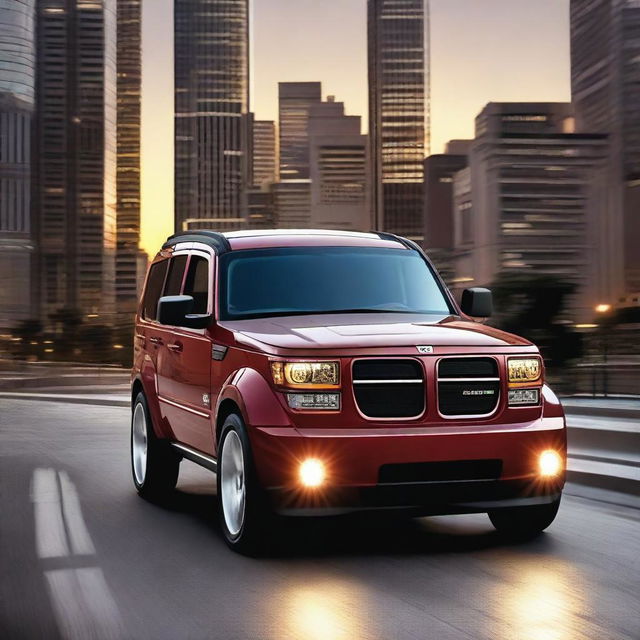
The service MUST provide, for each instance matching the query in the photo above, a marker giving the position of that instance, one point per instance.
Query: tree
(531, 306)
(67, 321)
(28, 331)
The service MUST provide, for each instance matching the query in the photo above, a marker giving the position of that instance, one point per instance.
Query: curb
(42, 397)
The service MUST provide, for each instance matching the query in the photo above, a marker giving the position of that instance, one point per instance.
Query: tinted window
(174, 279)
(197, 283)
(155, 281)
(305, 280)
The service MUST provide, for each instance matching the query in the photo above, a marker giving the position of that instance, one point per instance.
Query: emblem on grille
(478, 392)
(424, 349)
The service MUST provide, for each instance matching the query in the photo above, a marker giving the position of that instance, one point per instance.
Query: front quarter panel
(255, 398)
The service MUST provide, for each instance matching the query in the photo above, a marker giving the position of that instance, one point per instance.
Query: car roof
(266, 238)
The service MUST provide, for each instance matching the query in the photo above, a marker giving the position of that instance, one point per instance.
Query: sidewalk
(623, 407)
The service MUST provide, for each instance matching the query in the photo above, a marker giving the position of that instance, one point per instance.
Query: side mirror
(477, 302)
(175, 311)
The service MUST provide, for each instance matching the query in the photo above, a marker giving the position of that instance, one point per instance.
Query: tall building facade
(605, 83)
(211, 51)
(17, 80)
(75, 156)
(339, 169)
(293, 191)
(264, 153)
(294, 102)
(398, 111)
(129, 69)
(531, 201)
(439, 172)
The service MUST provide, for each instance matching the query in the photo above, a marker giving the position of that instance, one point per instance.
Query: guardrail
(604, 446)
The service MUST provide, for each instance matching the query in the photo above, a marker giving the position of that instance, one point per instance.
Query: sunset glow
(494, 50)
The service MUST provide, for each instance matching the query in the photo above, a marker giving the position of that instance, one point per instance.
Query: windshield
(306, 280)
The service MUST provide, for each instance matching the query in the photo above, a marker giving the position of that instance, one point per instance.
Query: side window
(155, 281)
(197, 283)
(174, 279)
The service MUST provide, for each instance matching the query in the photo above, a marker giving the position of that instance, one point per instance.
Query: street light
(603, 308)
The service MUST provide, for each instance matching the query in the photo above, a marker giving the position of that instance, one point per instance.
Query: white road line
(83, 605)
(79, 537)
(51, 540)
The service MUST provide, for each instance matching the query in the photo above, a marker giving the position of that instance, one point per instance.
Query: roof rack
(214, 239)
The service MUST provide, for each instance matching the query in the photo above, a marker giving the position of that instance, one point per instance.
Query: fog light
(524, 397)
(550, 463)
(312, 473)
(317, 401)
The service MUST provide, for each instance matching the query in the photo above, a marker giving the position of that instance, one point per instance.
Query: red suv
(323, 372)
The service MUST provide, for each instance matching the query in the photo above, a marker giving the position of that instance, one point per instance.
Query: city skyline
(517, 66)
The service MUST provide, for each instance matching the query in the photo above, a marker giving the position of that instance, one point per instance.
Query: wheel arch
(248, 393)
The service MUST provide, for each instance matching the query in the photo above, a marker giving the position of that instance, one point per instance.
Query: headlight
(524, 370)
(306, 375)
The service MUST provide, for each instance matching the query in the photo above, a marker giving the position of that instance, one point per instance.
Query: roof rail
(214, 239)
(392, 237)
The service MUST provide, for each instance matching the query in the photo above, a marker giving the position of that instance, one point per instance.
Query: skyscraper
(294, 101)
(605, 84)
(293, 191)
(75, 163)
(264, 153)
(211, 51)
(531, 201)
(398, 111)
(128, 173)
(339, 169)
(17, 79)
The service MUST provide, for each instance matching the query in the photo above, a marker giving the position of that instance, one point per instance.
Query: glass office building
(17, 80)
(398, 112)
(129, 67)
(75, 163)
(211, 51)
(605, 85)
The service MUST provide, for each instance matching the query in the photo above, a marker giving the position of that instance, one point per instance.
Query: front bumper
(353, 459)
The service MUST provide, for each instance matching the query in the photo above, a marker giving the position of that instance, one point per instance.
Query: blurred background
(503, 136)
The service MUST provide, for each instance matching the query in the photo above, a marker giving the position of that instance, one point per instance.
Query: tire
(244, 515)
(154, 465)
(524, 522)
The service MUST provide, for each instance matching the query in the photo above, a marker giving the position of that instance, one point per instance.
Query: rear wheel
(244, 515)
(154, 464)
(524, 522)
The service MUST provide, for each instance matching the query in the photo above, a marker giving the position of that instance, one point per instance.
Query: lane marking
(81, 543)
(83, 604)
(51, 540)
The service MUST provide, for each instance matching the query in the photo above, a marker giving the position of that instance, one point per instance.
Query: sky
(480, 51)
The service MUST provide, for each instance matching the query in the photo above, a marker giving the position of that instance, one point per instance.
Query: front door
(184, 362)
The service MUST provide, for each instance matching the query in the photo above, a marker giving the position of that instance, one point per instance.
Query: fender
(147, 377)
(551, 407)
(255, 397)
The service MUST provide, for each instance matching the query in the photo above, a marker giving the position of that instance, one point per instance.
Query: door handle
(155, 340)
(176, 347)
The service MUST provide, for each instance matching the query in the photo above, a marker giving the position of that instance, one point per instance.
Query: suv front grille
(468, 386)
(389, 388)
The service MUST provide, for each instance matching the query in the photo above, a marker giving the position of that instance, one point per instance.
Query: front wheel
(524, 522)
(153, 464)
(244, 516)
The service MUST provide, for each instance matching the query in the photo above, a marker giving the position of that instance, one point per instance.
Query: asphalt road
(82, 556)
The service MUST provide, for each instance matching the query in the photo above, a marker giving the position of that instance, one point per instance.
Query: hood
(362, 330)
